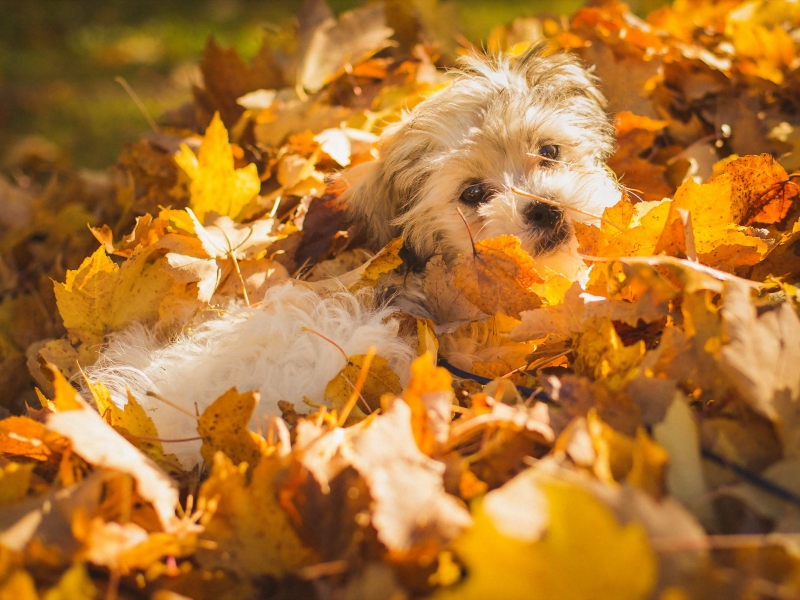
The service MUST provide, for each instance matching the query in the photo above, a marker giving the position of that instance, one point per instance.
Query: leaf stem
(469, 231)
(362, 377)
(330, 341)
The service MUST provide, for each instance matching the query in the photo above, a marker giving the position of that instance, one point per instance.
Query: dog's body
(536, 123)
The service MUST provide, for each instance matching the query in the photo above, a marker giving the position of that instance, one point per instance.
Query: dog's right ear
(379, 191)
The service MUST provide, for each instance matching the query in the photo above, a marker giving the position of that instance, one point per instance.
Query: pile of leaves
(639, 436)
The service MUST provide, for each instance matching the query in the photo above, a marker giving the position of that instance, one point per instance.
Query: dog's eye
(549, 152)
(475, 194)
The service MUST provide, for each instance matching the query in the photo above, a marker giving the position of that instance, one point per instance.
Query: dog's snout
(541, 214)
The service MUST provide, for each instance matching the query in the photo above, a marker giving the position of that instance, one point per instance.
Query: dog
(535, 124)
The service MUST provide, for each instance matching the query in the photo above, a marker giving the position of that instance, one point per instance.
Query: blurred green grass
(59, 58)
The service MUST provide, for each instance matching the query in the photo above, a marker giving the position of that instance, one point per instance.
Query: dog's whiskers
(516, 190)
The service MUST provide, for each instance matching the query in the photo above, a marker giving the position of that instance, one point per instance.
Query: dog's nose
(541, 214)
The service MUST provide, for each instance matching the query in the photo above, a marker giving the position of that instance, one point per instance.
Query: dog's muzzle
(542, 215)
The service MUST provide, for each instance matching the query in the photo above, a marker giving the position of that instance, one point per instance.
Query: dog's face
(535, 123)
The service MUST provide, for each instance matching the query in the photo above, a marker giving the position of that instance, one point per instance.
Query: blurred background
(59, 60)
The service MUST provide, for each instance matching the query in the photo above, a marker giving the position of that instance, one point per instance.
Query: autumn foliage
(640, 433)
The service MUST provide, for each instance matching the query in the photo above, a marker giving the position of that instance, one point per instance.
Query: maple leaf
(429, 390)
(759, 356)
(411, 506)
(498, 276)
(216, 185)
(762, 191)
(134, 424)
(226, 77)
(634, 135)
(100, 297)
(223, 427)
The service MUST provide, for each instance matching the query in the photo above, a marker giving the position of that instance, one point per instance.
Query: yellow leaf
(380, 380)
(583, 554)
(75, 584)
(426, 338)
(252, 533)
(718, 240)
(223, 427)
(65, 396)
(100, 297)
(84, 299)
(15, 479)
(498, 277)
(216, 185)
(599, 353)
(19, 585)
(386, 260)
(134, 424)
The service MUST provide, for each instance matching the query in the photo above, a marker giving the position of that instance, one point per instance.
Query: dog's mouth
(542, 241)
(547, 228)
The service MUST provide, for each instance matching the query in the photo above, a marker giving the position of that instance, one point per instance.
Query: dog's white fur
(487, 128)
(262, 349)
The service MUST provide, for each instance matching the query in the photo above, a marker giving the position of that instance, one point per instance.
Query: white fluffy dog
(535, 123)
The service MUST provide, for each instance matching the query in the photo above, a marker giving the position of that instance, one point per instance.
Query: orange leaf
(498, 276)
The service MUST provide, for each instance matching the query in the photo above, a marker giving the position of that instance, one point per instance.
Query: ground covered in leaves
(650, 444)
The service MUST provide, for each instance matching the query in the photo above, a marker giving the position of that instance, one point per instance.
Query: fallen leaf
(98, 444)
(327, 45)
(252, 534)
(616, 562)
(100, 297)
(498, 276)
(223, 426)
(410, 504)
(216, 185)
(380, 380)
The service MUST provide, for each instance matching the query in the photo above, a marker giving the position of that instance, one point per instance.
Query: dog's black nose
(541, 214)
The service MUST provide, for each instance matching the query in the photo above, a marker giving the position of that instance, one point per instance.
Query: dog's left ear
(381, 190)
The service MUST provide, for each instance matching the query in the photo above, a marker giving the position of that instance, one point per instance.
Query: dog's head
(536, 123)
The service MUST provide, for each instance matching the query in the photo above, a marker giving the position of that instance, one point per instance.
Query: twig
(469, 231)
(142, 108)
(330, 341)
(564, 206)
(172, 404)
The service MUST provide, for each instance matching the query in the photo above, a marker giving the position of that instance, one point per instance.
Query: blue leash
(525, 391)
(749, 476)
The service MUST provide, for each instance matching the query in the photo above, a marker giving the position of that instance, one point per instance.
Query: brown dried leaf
(497, 277)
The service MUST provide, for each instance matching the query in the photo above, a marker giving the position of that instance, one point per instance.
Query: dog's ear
(381, 190)
(539, 65)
